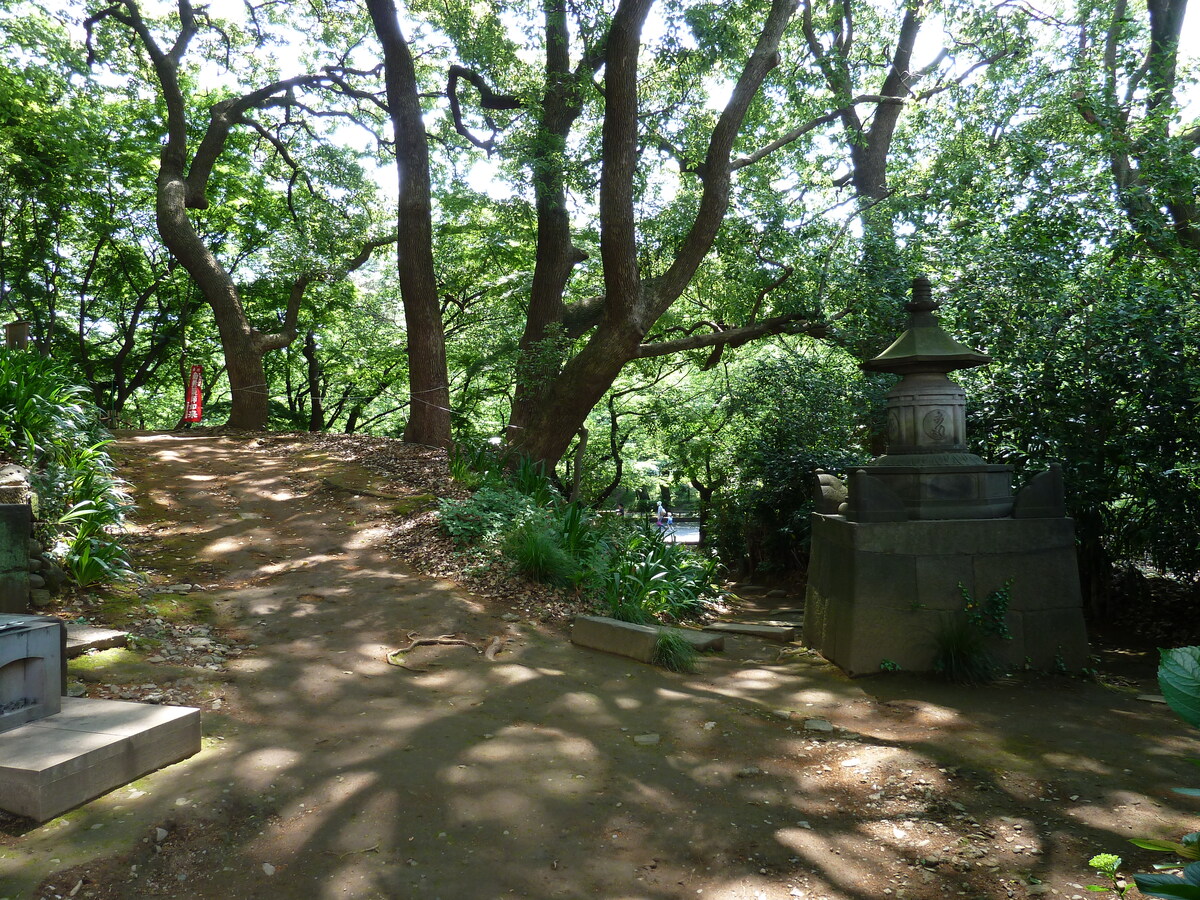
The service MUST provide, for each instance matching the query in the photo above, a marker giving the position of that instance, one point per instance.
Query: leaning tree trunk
(241, 344)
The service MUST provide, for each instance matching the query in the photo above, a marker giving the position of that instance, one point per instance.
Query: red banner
(195, 391)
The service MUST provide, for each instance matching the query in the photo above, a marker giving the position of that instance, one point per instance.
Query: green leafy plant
(484, 516)
(674, 653)
(1179, 680)
(48, 425)
(1108, 865)
(658, 580)
(989, 615)
(889, 665)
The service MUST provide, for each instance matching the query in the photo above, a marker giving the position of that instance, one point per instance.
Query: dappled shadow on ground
(559, 772)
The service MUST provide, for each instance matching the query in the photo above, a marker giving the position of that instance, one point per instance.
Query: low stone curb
(635, 641)
(784, 634)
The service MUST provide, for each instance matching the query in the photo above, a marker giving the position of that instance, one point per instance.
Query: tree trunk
(631, 304)
(429, 382)
(316, 418)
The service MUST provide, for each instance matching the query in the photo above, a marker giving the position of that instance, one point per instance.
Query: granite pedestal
(880, 590)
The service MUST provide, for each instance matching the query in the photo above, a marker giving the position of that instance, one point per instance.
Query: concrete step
(82, 638)
(92, 746)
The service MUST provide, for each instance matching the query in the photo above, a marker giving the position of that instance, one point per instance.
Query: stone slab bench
(784, 634)
(634, 641)
(90, 747)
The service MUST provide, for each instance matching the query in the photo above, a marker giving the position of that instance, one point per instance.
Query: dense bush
(48, 425)
(623, 566)
(794, 414)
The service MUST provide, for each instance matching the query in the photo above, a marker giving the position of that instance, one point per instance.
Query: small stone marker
(817, 725)
(784, 634)
(1152, 698)
(646, 739)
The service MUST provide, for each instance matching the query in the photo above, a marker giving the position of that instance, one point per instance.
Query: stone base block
(881, 591)
(90, 747)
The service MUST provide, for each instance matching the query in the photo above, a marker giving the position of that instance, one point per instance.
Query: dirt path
(558, 772)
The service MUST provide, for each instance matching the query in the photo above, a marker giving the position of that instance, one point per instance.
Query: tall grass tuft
(960, 652)
(674, 653)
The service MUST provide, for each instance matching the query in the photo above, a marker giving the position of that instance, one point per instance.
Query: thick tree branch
(793, 323)
(716, 176)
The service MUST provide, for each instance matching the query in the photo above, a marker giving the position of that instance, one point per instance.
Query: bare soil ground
(548, 771)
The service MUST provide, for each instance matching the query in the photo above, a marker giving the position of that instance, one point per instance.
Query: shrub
(484, 516)
(960, 652)
(48, 425)
(649, 578)
(536, 551)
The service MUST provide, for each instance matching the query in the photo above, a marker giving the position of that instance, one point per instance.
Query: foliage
(649, 578)
(538, 552)
(48, 425)
(988, 615)
(960, 652)
(780, 415)
(674, 653)
(630, 568)
(484, 516)
(1179, 680)
(1109, 866)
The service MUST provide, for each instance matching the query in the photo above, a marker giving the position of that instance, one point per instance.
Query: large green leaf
(1172, 887)
(1179, 680)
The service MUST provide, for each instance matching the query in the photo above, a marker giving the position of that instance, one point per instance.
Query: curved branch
(793, 323)
(488, 99)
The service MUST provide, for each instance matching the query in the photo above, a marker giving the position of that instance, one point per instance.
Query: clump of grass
(674, 653)
(960, 652)
(537, 554)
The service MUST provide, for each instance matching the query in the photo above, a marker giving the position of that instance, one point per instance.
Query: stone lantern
(895, 550)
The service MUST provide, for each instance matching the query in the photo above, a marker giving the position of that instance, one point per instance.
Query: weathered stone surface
(91, 747)
(830, 492)
(1042, 497)
(634, 641)
(784, 634)
(15, 524)
(881, 590)
(871, 500)
(701, 640)
(31, 660)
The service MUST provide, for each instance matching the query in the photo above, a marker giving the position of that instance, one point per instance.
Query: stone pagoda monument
(894, 551)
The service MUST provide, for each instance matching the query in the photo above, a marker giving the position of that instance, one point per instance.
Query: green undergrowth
(121, 605)
(518, 518)
(121, 665)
